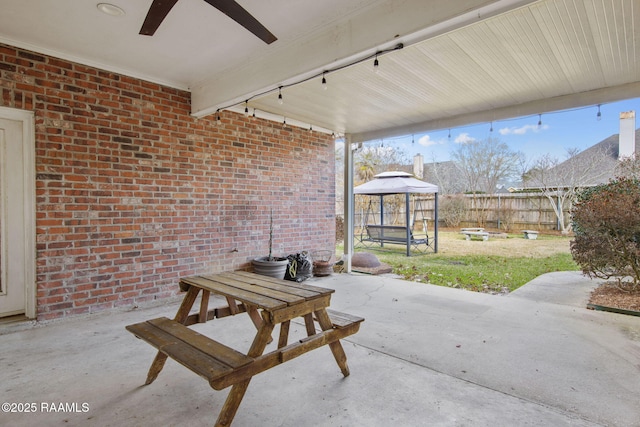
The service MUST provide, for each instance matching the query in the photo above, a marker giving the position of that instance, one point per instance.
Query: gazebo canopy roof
(395, 182)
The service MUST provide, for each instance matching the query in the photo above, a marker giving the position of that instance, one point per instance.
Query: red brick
(134, 193)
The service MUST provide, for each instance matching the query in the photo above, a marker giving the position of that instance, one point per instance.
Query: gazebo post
(382, 215)
(407, 206)
(435, 226)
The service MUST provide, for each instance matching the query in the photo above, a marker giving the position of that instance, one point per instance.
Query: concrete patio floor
(425, 356)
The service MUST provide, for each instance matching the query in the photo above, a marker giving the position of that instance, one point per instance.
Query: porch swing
(374, 234)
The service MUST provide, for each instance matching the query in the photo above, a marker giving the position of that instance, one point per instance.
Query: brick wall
(133, 193)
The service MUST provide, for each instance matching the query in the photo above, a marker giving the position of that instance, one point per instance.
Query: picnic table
(478, 232)
(268, 302)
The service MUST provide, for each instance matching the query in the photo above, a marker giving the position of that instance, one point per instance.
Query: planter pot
(322, 265)
(322, 268)
(272, 268)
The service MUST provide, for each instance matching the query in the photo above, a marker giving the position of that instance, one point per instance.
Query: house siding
(133, 193)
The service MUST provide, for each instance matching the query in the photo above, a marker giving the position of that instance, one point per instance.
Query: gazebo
(396, 182)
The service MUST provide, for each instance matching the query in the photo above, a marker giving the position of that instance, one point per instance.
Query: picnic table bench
(472, 229)
(474, 232)
(280, 301)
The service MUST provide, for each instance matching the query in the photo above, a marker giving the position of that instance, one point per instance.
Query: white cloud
(522, 129)
(426, 141)
(464, 138)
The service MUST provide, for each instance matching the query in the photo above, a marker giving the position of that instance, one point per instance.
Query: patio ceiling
(463, 61)
(546, 56)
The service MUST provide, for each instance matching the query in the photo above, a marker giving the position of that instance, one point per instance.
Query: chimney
(627, 138)
(418, 166)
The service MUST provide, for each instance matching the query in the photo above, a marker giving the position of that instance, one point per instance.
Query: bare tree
(372, 160)
(445, 175)
(483, 164)
(559, 181)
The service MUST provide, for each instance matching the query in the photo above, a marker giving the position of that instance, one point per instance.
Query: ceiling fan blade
(157, 12)
(236, 12)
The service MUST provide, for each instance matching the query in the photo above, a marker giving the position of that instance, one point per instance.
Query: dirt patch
(611, 295)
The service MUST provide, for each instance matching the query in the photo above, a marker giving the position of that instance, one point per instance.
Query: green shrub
(606, 223)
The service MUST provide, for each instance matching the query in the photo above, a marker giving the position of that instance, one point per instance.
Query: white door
(17, 289)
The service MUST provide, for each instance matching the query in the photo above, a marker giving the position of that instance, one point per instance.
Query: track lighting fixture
(449, 136)
(254, 113)
(324, 81)
(539, 121)
(599, 115)
(280, 100)
(218, 116)
(246, 108)
(376, 64)
(491, 128)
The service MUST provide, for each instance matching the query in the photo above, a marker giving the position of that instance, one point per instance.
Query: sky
(560, 131)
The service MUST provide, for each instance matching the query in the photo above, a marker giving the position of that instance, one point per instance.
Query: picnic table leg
(256, 319)
(238, 390)
(336, 347)
(284, 333)
(308, 323)
(181, 316)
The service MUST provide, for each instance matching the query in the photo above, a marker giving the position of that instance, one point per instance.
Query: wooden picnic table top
(252, 289)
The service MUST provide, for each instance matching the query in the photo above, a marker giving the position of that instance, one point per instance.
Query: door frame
(29, 198)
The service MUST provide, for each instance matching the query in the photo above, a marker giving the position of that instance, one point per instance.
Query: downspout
(348, 203)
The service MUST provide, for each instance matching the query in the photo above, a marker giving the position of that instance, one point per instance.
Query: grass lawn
(496, 265)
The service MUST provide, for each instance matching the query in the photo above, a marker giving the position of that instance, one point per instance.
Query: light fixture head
(539, 121)
(324, 81)
(491, 128)
(280, 100)
(246, 108)
(254, 113)
(376, 64)
(110, 9)
(599, 115)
